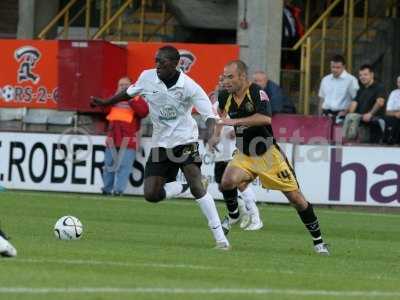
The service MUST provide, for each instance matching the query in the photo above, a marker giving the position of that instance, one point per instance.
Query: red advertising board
(28, 76)
(202, 62)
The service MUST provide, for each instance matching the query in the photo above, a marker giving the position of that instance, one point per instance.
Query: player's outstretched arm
(122, 96)
(210, 126)
(258, 119)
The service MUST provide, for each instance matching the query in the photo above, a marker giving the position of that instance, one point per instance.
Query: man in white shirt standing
(337, 89)
(171, 95)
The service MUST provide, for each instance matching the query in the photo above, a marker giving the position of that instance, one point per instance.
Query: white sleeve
(321, 92)
(202, 103)
(137, 88)
(354, 87)
(390, 104)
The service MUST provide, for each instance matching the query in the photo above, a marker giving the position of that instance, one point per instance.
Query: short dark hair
(170, 52)
(367, 66)
(338, 59)
(241, 66)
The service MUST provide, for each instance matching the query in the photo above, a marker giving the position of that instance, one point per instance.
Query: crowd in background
(362, 106)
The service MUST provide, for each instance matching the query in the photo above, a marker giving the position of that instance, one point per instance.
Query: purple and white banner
(339, 175)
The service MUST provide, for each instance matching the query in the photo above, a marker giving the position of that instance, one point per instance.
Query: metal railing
(308, 44)
(64, 13)
(109, 19)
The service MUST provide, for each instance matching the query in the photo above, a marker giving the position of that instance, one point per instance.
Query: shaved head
(235, 76)
(241, 67)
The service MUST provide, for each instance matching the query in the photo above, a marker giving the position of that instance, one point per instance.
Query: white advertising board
(349, 175)
(327, 174)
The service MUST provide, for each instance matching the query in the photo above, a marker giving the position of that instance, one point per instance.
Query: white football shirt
(227, 145)
(171, 109)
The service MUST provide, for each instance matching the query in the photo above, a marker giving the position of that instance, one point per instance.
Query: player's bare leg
(310, 220)
(206, 202)
(154, 189)
(234, 177)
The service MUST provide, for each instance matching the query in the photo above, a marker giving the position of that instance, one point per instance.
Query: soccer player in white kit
(171, 95)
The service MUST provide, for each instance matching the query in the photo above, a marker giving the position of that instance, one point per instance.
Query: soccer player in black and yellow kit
(246, 107)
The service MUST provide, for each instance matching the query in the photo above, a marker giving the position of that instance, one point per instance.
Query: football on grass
(68, 228)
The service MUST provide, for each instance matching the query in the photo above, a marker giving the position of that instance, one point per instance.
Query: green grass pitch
(132, 249)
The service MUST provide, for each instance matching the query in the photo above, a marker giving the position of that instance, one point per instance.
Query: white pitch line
(174, 266)
(209, 291)
(146, 265)
(116, 263)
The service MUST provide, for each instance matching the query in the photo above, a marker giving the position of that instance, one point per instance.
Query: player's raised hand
(212, 143)
(96, 101)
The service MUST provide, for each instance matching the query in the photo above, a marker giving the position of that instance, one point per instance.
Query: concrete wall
(383, 52)
(260, 42)
(34, 15)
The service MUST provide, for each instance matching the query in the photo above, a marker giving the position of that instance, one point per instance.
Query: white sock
(249, 199)
(172, 189)
(209, 210)
(241, 205)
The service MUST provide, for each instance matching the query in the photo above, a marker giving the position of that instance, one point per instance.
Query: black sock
(311, 222)
(231, 202)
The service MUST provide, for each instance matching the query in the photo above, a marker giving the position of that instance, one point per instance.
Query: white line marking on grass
(115, 263)
(248, 291)
(176, 266)
(145, 265)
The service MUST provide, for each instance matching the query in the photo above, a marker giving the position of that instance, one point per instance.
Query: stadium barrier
(328, 174)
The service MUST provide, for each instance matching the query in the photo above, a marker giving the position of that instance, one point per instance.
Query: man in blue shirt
(280, 103)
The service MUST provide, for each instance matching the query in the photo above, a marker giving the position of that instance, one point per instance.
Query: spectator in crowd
(392, 117)
(337, 90)
(292, 31)
(365, 112)
(121, 143)
(280, 103)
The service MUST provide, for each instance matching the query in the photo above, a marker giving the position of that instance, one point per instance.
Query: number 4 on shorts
(284, 175)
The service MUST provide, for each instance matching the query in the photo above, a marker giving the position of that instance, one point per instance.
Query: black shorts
(166, 162)
(219, 169)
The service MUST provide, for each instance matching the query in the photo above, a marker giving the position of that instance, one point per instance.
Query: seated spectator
(280, 103)
(392, 117)
(337, 90)
(365, 112)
